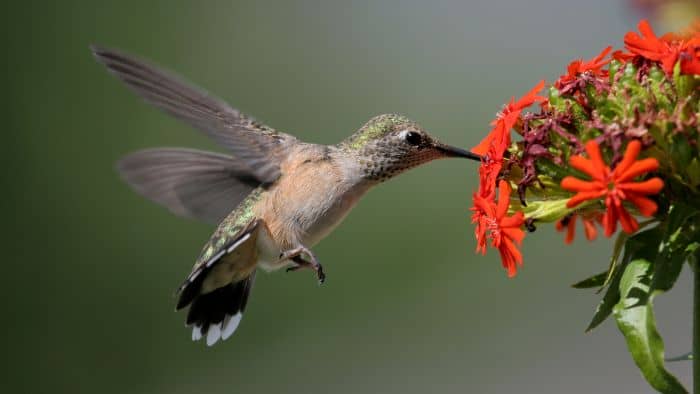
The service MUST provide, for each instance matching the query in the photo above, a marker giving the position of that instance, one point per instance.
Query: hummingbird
(272, 198)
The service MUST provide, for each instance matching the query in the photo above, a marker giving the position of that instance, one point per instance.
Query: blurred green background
(408, 307)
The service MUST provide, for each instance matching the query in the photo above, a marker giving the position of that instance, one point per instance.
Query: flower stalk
(696, 327)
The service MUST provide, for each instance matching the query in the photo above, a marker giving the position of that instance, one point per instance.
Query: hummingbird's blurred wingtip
(96, 49)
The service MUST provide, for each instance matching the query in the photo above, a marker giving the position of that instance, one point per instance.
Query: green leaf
(640, 244)
(676, 246)
(667, 269)
(605, 307)
(679, 214)
(619, 244)
(596, 280)
(635, 318)
(681, 153)
(693, 171)
(693, 249)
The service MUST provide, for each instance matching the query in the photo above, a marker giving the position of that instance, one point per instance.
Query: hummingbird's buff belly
(303, 209)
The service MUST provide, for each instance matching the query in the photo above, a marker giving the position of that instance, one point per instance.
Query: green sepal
(657, 80)
(546, 211)
(684, 83)
(613, 69)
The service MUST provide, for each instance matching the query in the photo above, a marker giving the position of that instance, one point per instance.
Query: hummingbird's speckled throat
(272, 198)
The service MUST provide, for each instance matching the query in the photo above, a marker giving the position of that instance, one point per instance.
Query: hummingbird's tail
(216, 315)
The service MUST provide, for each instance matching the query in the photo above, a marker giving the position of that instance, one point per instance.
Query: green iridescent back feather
(231, 227)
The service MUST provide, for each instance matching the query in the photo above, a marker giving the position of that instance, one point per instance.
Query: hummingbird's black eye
(413, 138)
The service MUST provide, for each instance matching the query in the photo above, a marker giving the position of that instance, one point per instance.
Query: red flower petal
(515, 221)
(650, 186)
(584, 196)
(503, 199)
(504, 231)
(510, 256)
(574, 184)
(610, 221)
(598, 61)
(631, 153)
(529, 98)
(644, 205)
(596, 158)
(638, 168)
(629, 224)
(500, 134)
(570, 228)
(584, 165)
(616, 186)
(622, 57)
(590, 230)
(648, 46)
(652, 48)
(485, 143)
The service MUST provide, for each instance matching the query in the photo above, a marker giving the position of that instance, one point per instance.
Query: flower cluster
(614, 138)
(668, 50)
(488, 215)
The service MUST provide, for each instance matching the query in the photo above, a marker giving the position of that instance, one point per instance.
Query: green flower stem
(696, 328)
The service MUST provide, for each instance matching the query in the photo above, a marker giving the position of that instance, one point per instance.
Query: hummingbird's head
(390, 144)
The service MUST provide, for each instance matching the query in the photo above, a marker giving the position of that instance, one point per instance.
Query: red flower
(578, 67)
(622, 56)
(489, 170)
(569, 223)
(667, 50)
(692, 31)
(650, 47)
(615, 185)
(690, 57)
(506, 119)
(504, 231)
(480, 223)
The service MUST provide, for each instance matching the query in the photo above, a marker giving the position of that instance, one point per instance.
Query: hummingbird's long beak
(453, 151)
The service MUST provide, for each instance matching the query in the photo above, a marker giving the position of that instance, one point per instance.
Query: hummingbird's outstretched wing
(257, 146)
(191, 183)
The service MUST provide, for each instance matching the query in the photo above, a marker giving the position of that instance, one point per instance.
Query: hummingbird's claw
(320, 275)
(315, 265)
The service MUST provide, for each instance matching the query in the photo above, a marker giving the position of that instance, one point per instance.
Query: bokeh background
(90, 267)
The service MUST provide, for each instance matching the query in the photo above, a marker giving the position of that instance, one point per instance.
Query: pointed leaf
(605, 307)
(635, 318)
(693, 171)
(676, 246)
(640, 244)
(596, 280)
(619, 243)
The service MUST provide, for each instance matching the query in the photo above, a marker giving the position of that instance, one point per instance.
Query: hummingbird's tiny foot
(313, 265)
(320, 274)
(296, 254)
(293, 268)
